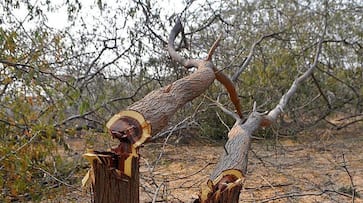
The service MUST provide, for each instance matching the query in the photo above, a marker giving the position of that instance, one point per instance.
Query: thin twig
(222, 121)
(316, 82)
(294, 194)
(165, 143)
(350, 178)
(225, 110)
(156, 192)
(58, 180)
(251, 54)
(190, 175)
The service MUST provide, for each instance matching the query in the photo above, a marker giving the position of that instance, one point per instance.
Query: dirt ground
(319, 166)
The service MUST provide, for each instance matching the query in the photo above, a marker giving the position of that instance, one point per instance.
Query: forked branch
(189, 63)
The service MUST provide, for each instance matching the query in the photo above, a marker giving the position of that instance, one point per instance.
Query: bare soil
(319, 166)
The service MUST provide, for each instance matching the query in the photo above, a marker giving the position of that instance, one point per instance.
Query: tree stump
(114, 175)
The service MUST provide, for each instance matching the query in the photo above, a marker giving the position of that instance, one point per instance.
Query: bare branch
(205, 26)
(352, 88)
(294, 194)
(192, 174)
(147, 12)
(87, 77)
(272, 116)
(213, 48)
(226, 111)
(21, 147)
(103, 105)
(316, 82)
(187, 63)
(342, 126)
(157, 191)
(25, 68)
(352, 185)
(57, 179)
(250, 55)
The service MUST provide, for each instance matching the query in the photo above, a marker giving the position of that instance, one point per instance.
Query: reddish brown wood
(111, 186)
(225, 188)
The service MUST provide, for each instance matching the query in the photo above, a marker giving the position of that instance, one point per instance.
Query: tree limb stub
(235, 158)
(110, 184)
(213, 48)
(129, 126)
(114, 175)
(237, 146)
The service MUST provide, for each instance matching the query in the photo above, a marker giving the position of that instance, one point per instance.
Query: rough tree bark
(114, 175)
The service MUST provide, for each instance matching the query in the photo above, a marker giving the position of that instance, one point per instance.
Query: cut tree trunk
(110, 185)
(225, 182)
(114, 175)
